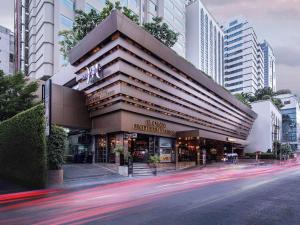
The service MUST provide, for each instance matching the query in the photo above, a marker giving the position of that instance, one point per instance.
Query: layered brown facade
(140, 85)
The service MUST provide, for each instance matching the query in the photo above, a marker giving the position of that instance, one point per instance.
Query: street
(262, 195)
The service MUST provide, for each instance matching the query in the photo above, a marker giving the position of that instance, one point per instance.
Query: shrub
(119, 149)
(55, 147)
(154, 159)
(23, 148)
(260, 156)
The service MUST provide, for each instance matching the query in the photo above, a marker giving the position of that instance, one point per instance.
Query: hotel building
(204, 41)
(38, 24)
(129, 89)
(243, 58)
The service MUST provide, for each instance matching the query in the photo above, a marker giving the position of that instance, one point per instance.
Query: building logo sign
(155, 127)
(98, 96)
(93, 73)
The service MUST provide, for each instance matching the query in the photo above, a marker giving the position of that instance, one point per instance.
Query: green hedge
(23, 148)
(56, 146)
(260, 156)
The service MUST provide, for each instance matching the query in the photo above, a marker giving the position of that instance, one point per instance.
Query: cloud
(7, 14)
(288, 77)
(289, 56)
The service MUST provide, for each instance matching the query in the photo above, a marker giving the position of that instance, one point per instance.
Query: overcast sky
(277, 21)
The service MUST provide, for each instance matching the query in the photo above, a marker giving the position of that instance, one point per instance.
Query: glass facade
(289, 125)
(66, 22)
(69, 4)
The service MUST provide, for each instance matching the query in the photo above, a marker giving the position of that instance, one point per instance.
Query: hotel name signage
(98, 96)
(93, 73)
(155, 127)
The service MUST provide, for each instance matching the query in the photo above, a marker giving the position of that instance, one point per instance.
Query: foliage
(161, 31)
(154, 159)
(260, 156)
(276, 148)
(23, 148)
(16, 94)
(283, 91)
(261, 94)
(84, 22)
(119, 149)
(286, 149)
(244, 98)
(55, 147)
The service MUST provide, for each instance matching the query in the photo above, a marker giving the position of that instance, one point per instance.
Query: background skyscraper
(269, 66)
(204, 41)
(44, 19)
(243, 58)
(6, 50)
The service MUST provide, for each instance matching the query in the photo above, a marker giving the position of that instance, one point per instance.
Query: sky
(277, 21)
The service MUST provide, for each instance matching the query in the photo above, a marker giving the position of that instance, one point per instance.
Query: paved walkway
(78, 175)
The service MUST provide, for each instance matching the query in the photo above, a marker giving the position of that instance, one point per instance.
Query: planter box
(55, 177)
(123, 170)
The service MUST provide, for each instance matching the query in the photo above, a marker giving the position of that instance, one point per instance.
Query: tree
(16, 94)
(161, 31)
(267, 93)
(245, 98)
(283, 91)
(286, 150)
(85, 22)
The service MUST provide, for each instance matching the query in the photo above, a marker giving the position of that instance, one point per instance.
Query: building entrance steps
(142, 169)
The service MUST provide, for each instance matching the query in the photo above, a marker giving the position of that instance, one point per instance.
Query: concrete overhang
(210, 135)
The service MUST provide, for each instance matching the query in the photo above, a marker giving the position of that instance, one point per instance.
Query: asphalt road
(237, 196)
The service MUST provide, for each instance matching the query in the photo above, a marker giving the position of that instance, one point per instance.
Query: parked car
(231, 158)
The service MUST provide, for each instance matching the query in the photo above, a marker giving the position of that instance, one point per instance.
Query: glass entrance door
(101, 150)
(141, 149)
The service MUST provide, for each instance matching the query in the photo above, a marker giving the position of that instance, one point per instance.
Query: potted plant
(153, 162)
(55, 155)
(119, 154)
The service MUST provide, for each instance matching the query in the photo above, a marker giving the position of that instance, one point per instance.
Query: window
(234, 59)
(234, 65)
(102, 3)
(233, 53)
(134, 6)
(234, 78)
(234, 84)
(68, 4)
(68, 23)
(233, 47)
(287, 102)
(233, 23)
(233, 41)
(152, 8)
(234, 28)
(11, 57)
(236, 89)
(168, 16)
(234, 71)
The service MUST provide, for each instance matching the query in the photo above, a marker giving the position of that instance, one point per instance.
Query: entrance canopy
(209, 135)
